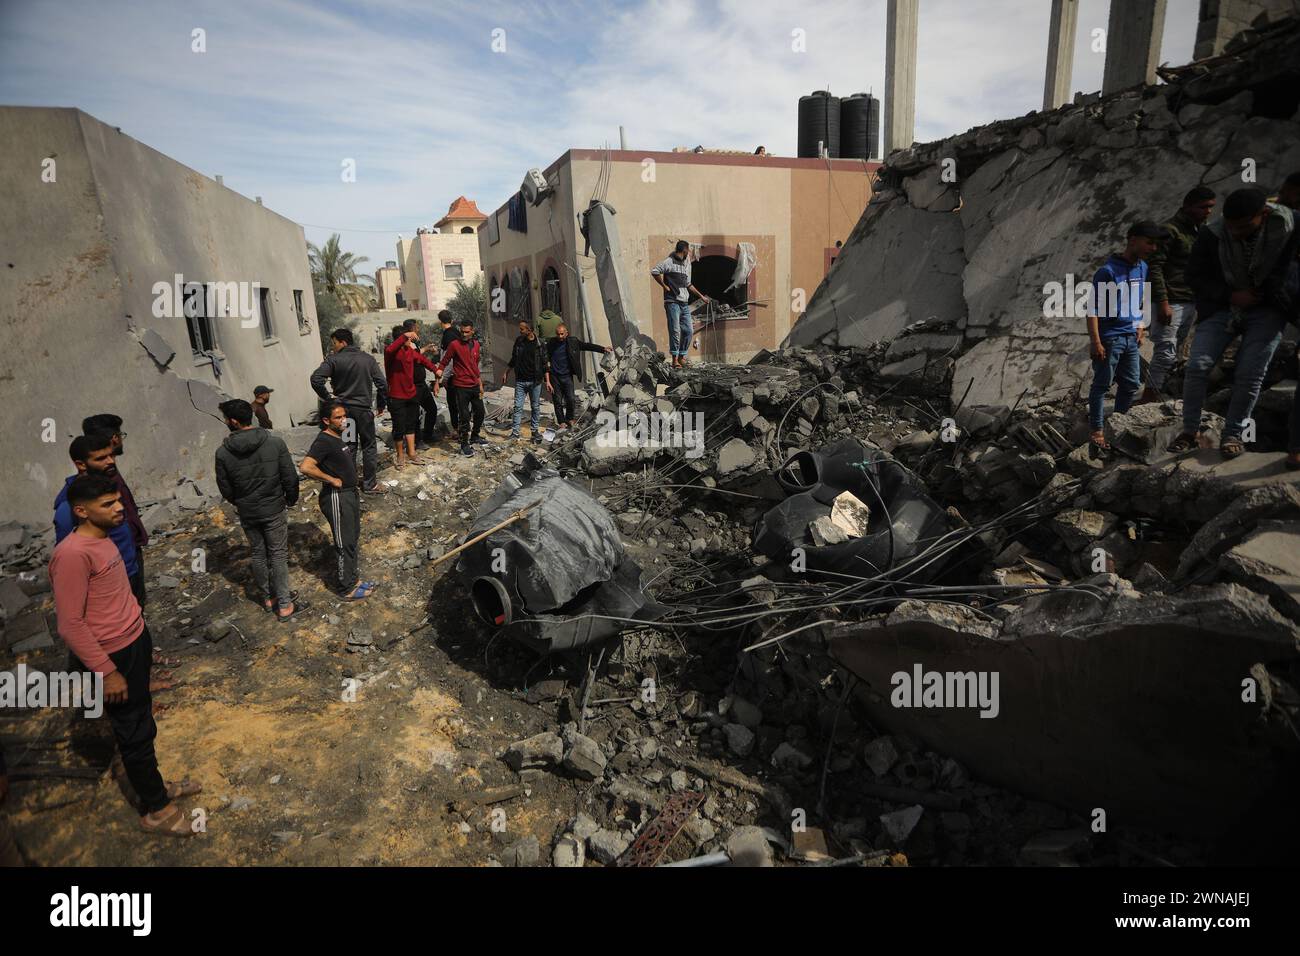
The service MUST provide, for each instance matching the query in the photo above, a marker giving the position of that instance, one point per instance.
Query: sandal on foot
(298, 608)
(183, 788)
(270, 608)
(174, 823)
(1182, 443)
(1231, 447)
(361, 591)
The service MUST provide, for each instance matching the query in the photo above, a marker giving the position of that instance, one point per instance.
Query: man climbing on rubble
(532, 369)
(108, 423)
(1115, 323)
(94, 455)
(1174, 311)
(462, 357)
(674, 277)
(255, 473)
(358, 383)
(103, 626)
(401, 356)
(566, 369)
(1237, 270)
(332, 461)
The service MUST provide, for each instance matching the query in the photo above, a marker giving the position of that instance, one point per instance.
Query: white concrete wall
(80, 296)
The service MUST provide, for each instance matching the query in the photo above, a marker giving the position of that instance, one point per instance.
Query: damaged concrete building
(136, 285)
(968, 233)
(785, 214)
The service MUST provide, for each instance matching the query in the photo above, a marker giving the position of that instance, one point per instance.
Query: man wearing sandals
(255, 473)
(102, 624)
(1116, 318)
(333, 463)
(1237, 271)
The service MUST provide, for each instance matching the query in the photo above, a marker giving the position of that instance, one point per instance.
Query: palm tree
(336, 271)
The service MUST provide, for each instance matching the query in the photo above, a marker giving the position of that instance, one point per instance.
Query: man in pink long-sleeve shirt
(101, 622)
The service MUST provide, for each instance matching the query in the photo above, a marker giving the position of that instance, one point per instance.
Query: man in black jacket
(531, 369)
(256, 474)
(359, 384)
(566, 369)
(1237, 270)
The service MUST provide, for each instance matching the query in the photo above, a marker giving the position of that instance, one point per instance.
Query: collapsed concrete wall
(1037, 200)
(96, 219)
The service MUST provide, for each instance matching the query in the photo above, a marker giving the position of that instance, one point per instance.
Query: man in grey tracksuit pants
(255, 473)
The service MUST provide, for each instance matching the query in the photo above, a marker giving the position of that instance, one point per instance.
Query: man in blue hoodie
(94, 454)
(1116, 319)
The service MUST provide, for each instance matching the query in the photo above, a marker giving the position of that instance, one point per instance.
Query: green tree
(469, 304)
(330, 315)
(336, 272)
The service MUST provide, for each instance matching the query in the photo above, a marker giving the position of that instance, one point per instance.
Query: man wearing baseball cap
(1117, 316)
(262, 395)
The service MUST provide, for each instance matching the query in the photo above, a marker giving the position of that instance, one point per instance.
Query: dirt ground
(292, 772)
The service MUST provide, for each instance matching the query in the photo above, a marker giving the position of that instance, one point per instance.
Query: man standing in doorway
(566, 369)
(1174, 310)
(333, 462)
(359, 384)
(463, 355)
(674, 277)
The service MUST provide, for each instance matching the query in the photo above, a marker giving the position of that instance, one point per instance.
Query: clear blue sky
(415, 94)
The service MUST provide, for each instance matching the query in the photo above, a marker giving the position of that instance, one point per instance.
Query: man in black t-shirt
(332, 462)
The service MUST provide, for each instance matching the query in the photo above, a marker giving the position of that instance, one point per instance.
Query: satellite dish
(535, 188)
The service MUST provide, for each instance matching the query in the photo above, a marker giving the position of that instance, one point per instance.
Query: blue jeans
(1166, 338)
(534, 392)
(1261, 331)
(1120, 364)
(679, 327)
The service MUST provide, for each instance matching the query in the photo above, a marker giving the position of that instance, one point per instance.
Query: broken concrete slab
(1107, 678)
(735, 455)
(1268, 561)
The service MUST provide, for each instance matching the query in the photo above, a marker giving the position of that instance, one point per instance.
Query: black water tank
(819, 122)
(859, 126)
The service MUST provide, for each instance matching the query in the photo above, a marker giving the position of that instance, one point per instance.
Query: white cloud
(413, 92)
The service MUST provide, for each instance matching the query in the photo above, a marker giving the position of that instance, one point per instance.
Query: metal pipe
(709, 859)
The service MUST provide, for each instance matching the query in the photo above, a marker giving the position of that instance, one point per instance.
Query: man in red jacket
(462, 355)
(400, 358)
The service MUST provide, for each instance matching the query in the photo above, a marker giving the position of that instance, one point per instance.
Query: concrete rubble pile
(971, 230)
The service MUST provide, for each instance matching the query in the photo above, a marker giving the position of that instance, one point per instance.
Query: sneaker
(537, 438)
(514, 436)
(481, 440)
(467, 451)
